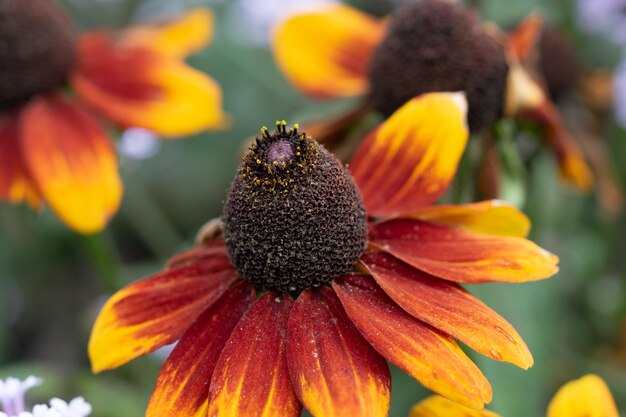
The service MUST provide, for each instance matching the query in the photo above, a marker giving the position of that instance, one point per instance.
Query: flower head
(53, 149)
(352, 267)
(584, 397)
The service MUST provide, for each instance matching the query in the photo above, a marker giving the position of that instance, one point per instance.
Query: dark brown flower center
(37, 49)
(294, 218)
(434, 45)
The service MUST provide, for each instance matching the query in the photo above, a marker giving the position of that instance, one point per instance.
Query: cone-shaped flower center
(37, 49)
(435, 45)
(294, 218)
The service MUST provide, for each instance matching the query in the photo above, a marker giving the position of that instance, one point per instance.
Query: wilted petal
(460, 255)
(410, 160)
(136, 86)
(15, 185)
(251, 378)
(493, 217)
(326, 53)
(431, 357)
(72, 161)
(156, 311)
(335, 373)
(585, 397)
(182, 388)
(436, 406)
(448, 307)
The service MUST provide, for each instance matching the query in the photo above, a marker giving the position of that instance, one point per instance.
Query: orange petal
(139, 87)
(182, 388)
(522, 41)
(335, 373)
(459, 255)
(585, 397)
(409, 161)
(15, 185)
(72, 161)
(251, 377)
(156, 311)
(326, 53)
(431, 357)
(573, 166)
(435, 406)
(178, 38)
(492, 217)
(448, 307)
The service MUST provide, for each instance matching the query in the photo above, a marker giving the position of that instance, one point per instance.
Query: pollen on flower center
(435, 45)
(37, 49)
(294, 218)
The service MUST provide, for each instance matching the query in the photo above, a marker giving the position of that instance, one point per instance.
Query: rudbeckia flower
(588, 396)
(427, 46)
(56, 87)
(374, 269)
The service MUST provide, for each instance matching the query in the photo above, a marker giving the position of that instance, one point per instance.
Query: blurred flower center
(37, 49)
(294, 218)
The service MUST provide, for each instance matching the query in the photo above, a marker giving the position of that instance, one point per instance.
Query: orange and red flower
(588, 396)
(54, 149)
(240, 354)
(337, 51)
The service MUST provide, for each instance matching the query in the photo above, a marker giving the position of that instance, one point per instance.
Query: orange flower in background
(588, 396)
(427, 46)
(374, 269)
(53, 147)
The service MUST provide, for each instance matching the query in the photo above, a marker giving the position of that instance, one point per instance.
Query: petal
(197, 253)
(409, 161)
(431, 357)
(139, 87)
(448, 307)
(182, 388)
(460, 255)
(573, 166)
(251, 377)
(435, 406)
(585, 397)
(326, 53)
(178, 37)
(71, 159)
(493, 217)
(335, 373)
(155, 311)
(15, 184)
(522, 41)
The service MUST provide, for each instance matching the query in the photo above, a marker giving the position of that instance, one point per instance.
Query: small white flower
(77, 407)
(12, 392)
(138, 143)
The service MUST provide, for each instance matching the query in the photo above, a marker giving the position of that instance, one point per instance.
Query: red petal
(197, 253)
(71, 159)
(460, 255)
(156, 311)
(409, 161)
(431, 357)
(183, 384)
(15, 184)
(449, 308)
(335, 373)
(251, 378)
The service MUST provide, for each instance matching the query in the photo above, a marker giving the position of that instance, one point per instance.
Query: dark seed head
(558, 62)
(434, 45)
(294, 218)
(37, 49)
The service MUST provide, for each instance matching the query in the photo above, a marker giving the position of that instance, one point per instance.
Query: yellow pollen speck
(258, 161)
(296, 126)
(276, 163)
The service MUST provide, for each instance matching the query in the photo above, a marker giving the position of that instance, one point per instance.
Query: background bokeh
(52, 282)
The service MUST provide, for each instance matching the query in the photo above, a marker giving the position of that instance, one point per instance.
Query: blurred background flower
(52, 282)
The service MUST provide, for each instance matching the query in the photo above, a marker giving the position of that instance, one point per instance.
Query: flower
(584, 397)
(619, 93)
(604, 16)
(372, 265)
(427, 46)
(53, 147)
(12, 392)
